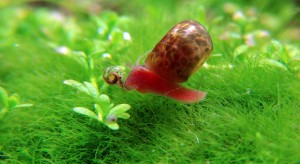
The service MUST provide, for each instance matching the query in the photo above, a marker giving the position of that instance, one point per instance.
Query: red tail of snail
(172, 61)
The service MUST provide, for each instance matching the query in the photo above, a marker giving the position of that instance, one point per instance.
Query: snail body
(173, 60)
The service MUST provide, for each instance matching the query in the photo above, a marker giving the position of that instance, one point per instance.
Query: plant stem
(90, 64)
(3, 111)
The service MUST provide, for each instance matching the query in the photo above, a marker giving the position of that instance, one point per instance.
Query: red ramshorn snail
(173, 60)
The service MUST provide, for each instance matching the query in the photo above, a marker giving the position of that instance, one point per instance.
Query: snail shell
(180, 52)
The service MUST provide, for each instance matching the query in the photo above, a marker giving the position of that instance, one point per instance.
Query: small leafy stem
(90, 65)
(104, 111)
(8, 103)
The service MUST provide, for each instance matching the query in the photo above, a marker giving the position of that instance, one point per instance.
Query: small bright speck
(109, 37)
(248, 91)
(16, 45)
(228, 66)
(126, 36)
(62, 50)
(205, 65)
(249, 40)
(191, 28)
(229, 8)
(58, 16)
(100, 31)
(106, 55)
(238, 16)
(263, 33)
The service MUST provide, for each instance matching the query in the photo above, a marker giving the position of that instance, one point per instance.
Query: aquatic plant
(97, 49)
(9, 102)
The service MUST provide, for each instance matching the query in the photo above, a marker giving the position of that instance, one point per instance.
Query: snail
(173, 60)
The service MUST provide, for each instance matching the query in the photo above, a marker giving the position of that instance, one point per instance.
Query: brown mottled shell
(180, 52)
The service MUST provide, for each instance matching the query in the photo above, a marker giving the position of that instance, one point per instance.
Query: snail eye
(113, 75)
(112, 79)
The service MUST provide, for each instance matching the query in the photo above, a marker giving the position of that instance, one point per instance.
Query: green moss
(250, 115)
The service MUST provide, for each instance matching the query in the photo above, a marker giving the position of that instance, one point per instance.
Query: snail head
(114, 75)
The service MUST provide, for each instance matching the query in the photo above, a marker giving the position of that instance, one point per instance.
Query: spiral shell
(114, 75)
(180, 52)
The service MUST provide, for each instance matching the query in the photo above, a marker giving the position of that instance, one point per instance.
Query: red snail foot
(145, 81)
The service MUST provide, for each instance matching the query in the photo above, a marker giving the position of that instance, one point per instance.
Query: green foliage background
(250, 115)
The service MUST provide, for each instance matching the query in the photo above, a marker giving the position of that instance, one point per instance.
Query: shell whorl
(180, 52)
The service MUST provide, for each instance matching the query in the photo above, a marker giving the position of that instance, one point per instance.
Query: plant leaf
(3, 98)
(111, 105)
(86, 45)
(104, 102)
(275, 63)
(277, 45)
(80, 57)
(119, 109)
(3, 111)
(92, 89)
(116, 35)
(77, 85)
(240, 50)
(85, 111)
(99, 47)
(113, 126)
(13, 101)
(23, 105)
(99, 111)
(124, 115)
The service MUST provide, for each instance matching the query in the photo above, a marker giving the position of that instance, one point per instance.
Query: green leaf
(274, 63)
(86, 45)
(217, 20)
(103, 98)
(92, 89)
(99, 111)
(111, 105)
(123, 21)
(110, 18)
(3, 98)
(124, 115)
(80, 57)
(85, 111)
(113, 126)
(240, 50)
(13, 101)
(3, 112)
(104, 102)
(102, 26)
(99, 48)
(119, 110)
(23, 105)
(234, 35)
(277, 45)
(116, 35)
(77, 85)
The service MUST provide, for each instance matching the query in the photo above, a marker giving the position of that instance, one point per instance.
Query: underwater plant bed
(57, 107)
